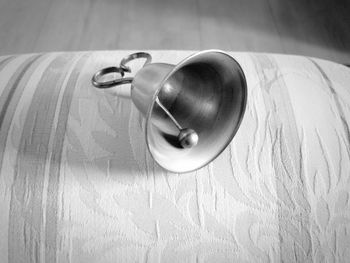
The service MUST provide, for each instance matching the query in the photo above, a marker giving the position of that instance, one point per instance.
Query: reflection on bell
(192, 110)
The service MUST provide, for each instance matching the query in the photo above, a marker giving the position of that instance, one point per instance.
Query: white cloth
(77, 183)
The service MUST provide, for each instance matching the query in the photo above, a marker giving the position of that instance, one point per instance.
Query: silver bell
(192, 109)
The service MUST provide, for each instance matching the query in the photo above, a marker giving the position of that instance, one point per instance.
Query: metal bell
(192, 109)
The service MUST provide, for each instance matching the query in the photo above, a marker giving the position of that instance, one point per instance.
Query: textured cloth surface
(77, 183)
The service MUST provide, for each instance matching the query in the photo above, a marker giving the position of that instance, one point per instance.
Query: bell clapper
(187, 137)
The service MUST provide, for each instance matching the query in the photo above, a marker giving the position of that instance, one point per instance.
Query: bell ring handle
(111, 83)
(121, 70)
(133, 56)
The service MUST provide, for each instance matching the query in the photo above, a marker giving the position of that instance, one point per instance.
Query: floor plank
(305, 27)
(314, 28)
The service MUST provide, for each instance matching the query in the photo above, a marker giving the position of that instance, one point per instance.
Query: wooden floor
(307, 27)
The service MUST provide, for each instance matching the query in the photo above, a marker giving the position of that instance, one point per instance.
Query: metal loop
(133, 56)
(111, 83)
(121, 70)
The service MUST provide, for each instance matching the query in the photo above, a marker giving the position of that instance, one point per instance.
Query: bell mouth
(206, 92)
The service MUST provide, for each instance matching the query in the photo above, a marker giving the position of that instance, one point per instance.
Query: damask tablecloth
(77, 183)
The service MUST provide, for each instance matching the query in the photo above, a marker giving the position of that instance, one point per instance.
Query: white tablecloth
(77, 183)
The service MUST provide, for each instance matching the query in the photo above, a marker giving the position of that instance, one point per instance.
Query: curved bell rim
(206, 92)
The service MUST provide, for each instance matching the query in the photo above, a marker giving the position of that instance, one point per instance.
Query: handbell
(192, 109)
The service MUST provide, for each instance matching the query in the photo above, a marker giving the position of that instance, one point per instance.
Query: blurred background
(304, 27)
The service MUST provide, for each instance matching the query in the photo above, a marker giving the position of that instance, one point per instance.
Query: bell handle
(121, 70)
(111, 83)
(133, 56)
